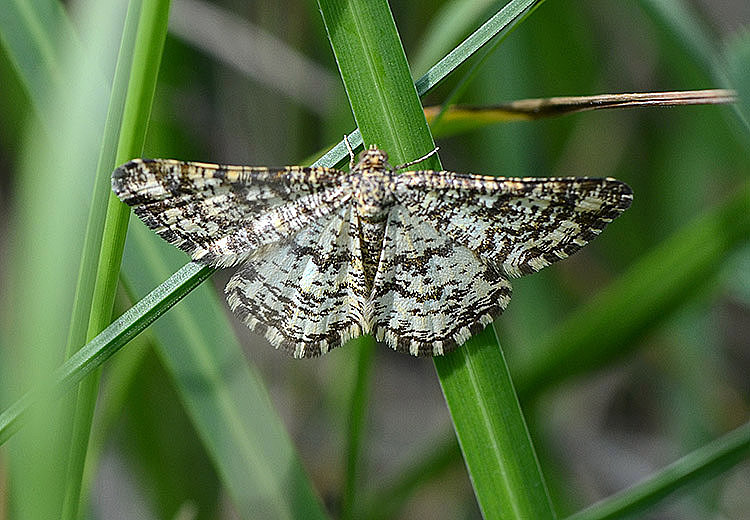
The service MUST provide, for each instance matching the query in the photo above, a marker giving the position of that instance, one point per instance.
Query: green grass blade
(492, 432)
(53, 198)
(700, 465)
(502, 22)
(374, 88)
(358, 408)
(107, 343)
(475, 378)
(354, 30)
(505, 19)
(224, 396)
(451, 22)
(78, 332)
(647, 294)
(138, 66)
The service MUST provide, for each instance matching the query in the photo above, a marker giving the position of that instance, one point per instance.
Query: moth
(420, 259)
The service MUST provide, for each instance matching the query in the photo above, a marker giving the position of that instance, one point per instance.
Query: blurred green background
(256, 83)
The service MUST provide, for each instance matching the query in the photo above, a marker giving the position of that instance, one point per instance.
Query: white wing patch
(430, 293)
(305, 294)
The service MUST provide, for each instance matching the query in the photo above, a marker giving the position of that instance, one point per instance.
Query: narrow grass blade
(475, 379)
(452, 21)
(513, 12)
(68, 91)
(77, 333)
(107, 343)
(492, 432)
(457, 119)
(138, 66)
(700, 465)
(502, 22)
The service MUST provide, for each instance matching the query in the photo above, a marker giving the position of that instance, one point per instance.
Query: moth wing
(306, 294)
(219, 214)
(517, 224)
(431, 293)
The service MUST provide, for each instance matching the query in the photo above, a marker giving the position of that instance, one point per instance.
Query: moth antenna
(351, 152)
(412, 163)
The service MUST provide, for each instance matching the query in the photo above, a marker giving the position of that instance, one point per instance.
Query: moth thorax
(374, 194)
(373, 159)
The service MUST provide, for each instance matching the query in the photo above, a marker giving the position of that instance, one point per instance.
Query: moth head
(373, 158)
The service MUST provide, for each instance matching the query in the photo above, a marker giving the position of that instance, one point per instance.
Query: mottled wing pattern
(519, 225)
(307, 295)
(220, 214)
(449, 243)
(430, 292)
